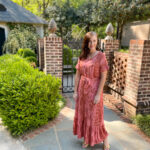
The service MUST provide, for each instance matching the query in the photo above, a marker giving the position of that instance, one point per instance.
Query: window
(2, 7)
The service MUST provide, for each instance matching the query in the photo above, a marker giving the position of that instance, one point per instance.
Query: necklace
(92, 55)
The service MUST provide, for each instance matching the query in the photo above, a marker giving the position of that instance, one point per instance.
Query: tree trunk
(87, 28)
(117, 33)
(120, 33)
(22, 3)
(61, 32)
(44, 8)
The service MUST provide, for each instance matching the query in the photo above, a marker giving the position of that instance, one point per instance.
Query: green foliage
(65, 15)
(77, 32)
(70, 57)
(28, 97)
(34, 6)
(39, 7)
(124, 50)
(31, 59)
(22, 27)
(122, 12)
(88, 14)
(20, 36)
(76, 54)
(67, 55)
(143, 122)
(26, 52)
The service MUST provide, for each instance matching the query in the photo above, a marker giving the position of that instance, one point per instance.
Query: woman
(90, 78)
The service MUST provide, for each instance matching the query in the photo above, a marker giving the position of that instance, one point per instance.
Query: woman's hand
(97, 99)
(75, 95)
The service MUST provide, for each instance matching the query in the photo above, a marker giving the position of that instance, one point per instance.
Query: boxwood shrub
(28, 54)
(143, 122)
(28, 97)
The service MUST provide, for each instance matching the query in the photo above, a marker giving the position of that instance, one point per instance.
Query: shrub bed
(28, 54)
(143, 122)
(28, 97)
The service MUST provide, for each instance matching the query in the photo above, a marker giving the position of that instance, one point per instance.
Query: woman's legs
(84, 145)
(106, 144)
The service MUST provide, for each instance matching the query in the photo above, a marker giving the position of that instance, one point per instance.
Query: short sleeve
(104, 64)
(78, 64)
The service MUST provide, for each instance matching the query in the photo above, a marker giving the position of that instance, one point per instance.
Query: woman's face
(93, 42)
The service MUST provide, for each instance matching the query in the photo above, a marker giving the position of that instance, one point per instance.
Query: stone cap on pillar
(109, 31)
(52, 28)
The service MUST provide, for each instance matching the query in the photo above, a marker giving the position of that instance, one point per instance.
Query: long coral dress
(88, 120)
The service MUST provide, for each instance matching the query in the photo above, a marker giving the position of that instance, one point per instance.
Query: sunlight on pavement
(68, 113)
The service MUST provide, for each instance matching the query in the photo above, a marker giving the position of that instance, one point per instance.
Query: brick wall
(110, 47)
(137, 92)
(53, 56)
(117, 82)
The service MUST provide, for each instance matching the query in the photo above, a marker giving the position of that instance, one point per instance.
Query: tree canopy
(88, 14)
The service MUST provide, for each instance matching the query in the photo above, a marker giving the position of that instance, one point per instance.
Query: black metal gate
(2, 39)
(70, 57)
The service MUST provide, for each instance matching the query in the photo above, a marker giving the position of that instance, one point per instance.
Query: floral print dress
(88, 119)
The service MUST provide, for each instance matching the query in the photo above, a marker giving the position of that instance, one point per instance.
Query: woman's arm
(102, 82)
(101, 86)
(103, 74)
(77, 79)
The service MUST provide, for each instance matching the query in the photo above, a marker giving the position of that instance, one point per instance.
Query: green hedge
(31, 59)
(124, 50)
(28, 97)
(143, 122)
(28, 54)
(67, 55)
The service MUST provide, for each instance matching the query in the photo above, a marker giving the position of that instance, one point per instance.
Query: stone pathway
(8, 143)
(60, 136)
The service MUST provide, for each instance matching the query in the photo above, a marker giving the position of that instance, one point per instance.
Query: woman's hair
(85, 50)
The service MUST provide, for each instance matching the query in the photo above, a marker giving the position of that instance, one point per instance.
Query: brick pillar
(53, 56)
(110, 47)
(137, 91)
(41, 53)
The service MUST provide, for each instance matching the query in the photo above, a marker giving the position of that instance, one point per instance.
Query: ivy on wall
(20, 36)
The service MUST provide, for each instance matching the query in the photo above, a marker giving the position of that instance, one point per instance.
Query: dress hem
(79, 137)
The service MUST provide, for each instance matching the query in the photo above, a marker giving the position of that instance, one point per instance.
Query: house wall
(135, 30)
(4, 25)
(40, 30)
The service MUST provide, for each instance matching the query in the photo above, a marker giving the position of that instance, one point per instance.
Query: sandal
(84, 145)
(106, 147)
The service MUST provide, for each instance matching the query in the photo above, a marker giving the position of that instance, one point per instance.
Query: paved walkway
(60, 137)
(8, 143)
